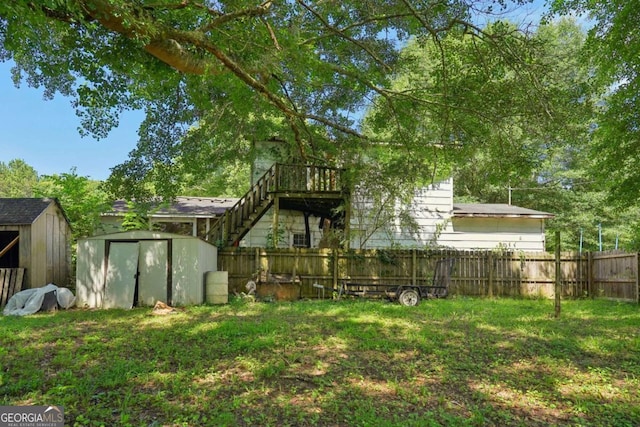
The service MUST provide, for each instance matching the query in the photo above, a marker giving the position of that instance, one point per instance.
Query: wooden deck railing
(308, 179)
(230, 228)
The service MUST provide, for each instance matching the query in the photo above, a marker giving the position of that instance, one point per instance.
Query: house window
(299, 240)
(182, 228)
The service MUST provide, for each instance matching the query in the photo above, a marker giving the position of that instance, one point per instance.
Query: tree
(463, 102)
(537, 147)
(17, 179)
(488, 132)
(227, 180)
(614, 43)
(81, 198)
(549, 165)
(301, 71)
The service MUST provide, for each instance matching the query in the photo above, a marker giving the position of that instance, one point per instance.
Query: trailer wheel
(409, 297)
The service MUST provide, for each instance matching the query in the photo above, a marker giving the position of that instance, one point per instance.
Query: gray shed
(140, 268)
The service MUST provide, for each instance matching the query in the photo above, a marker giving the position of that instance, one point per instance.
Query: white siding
(525, 234)
(291, 222)
(430, 209)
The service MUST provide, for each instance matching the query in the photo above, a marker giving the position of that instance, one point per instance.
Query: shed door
(154, 267)
(122, 270)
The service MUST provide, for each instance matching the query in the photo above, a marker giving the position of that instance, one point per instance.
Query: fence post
(295, 266)
(590, 281)
(275, 221)
(558, 287)
(637, 278)
(334, 254)
(414, 267)
(490, 273)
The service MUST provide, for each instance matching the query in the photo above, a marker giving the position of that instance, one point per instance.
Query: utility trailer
(405, 294)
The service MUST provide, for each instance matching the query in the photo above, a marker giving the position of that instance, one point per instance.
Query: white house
(294, 205)
(495, 225)
(437, 221)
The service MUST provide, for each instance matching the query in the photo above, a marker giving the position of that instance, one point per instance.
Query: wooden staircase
(230, 228)
(312, 189)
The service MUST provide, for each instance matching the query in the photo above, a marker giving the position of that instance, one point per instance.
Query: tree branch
(342, 34)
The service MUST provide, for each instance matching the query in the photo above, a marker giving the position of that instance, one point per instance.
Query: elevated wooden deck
(316, 190)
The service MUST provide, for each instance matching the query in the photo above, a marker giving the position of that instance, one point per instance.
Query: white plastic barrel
(217, 287)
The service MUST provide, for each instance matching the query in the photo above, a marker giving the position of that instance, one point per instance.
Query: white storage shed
(140, 268)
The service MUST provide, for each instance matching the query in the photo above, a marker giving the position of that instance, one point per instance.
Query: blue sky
(45, 133)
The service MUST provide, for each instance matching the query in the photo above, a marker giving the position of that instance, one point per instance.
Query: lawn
(454, 362)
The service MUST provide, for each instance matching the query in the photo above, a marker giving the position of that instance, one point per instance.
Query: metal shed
(140, 268)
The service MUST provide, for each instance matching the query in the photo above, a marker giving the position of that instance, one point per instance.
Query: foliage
(81, 198)
(17, 179)
(614, 43)
(278, 239)
(136, 217)
(498, 106)
(540, 159)
(416, 139)
(459, 362)
(224, 73)
(461, 99)
(546, 150)
(487, 119)
(381, 203)
(224, 180)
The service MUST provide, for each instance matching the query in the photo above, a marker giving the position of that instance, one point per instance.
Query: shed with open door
(35, 238)
(140, 268)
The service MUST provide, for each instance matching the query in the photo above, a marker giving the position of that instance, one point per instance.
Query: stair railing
(235, 223)
(235, 217)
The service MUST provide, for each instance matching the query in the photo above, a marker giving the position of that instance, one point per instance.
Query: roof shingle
(185, 206)
(496, 210)
(21, 211)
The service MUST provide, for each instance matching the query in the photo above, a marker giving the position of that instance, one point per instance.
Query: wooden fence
(614, 275)
(476, 273)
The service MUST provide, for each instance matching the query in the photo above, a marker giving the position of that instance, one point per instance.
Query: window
(182, 228)
(299, 240)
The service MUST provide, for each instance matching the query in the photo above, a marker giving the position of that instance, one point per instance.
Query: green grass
(454, 362)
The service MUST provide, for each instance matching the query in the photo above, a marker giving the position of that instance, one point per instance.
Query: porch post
(274, 226)
(347, 221)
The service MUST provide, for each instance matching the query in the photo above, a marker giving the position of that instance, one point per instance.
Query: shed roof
(185, 207)
(499, 210)
(23, 211)
(142, 235)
